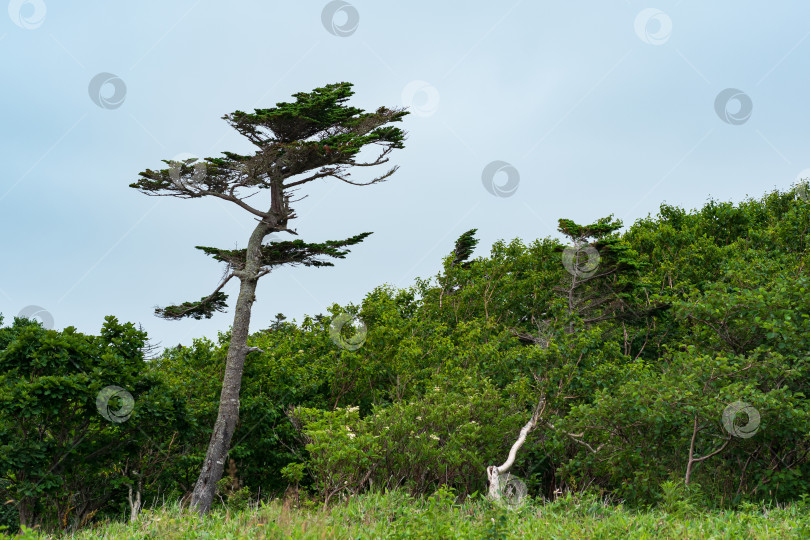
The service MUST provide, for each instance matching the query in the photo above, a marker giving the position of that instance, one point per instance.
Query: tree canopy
(705, 385)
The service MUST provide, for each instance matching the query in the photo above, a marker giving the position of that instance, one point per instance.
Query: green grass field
(396, 515)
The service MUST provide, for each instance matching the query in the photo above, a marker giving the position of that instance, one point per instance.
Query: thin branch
(319, 174)
(530, 425)
(576, 438)
(698, 460)
(378, 179)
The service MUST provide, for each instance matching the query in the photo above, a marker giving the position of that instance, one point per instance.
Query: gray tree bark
(214, 463)
(134, 503)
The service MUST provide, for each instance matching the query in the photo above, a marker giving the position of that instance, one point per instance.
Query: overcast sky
(591, 108)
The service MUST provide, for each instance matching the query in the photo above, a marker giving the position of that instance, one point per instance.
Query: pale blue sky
(597, 114)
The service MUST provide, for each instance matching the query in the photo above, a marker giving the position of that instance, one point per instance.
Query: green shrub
(447, 437)
(342, 452)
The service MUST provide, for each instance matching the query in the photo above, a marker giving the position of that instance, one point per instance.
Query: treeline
(676, 351)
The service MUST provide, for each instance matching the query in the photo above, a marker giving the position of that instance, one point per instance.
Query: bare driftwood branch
(494, 471)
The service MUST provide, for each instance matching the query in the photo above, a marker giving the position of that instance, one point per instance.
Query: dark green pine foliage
(278, 323)
(204, 308)
(465, 245)
(612, 290)
(317, 130)
(458, 263)
(293, 252)
(317, 134)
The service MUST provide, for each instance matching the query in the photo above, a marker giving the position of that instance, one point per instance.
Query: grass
(397, 515)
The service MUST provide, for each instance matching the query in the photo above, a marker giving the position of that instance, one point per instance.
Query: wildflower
(419, 418)
(351, 435)
(353, 409)
(434, 437)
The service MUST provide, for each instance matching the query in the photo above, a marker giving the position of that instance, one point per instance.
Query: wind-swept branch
(203, 308)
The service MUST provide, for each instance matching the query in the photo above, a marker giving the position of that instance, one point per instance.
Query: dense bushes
(445, 437)
(708, 309)
(687, 314)
(64, 454)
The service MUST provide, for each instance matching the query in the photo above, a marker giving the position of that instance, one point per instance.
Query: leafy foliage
(61, 460)
(687, 313)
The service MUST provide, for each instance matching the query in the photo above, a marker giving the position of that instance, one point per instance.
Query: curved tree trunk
(214, 463)
(494, 471)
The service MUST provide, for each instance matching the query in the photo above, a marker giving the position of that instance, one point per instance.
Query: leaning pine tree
(317, 136)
